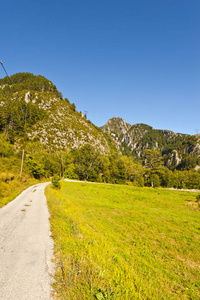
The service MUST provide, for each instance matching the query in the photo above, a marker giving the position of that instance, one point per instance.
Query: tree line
(86, 163)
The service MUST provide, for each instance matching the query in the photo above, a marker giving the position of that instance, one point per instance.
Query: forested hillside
(57, 139)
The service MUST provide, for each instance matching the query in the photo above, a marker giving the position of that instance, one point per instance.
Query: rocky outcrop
(175, 160)
(196, 149)
(27, 97)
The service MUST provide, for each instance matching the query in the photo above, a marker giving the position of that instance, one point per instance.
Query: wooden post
(22, 163)
(62, 166)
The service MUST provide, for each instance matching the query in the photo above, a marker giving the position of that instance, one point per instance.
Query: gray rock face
(28, 97)
(196, 149)
(175, 158)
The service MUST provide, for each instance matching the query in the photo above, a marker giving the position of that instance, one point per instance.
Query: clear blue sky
(135, 59)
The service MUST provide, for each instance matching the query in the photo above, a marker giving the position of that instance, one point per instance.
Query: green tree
(153, 163)
(35, 167)
(155, 180)
(87, 163)
(133, 170)
(105, 168)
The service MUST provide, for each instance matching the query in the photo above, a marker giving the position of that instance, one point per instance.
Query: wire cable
(5, 71)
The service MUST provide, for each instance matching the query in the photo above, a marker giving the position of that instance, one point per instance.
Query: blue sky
(139, 60)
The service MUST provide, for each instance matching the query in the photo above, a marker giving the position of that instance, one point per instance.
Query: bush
(198, 198)
(4, 189)
(5, 177)
(56, 182)
(140, 181)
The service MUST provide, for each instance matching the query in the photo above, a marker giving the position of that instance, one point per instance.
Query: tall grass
(122, 242)
(9, 190)
(11, 185)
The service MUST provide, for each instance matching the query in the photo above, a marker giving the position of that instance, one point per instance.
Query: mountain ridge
(32, 109)
(135, 139)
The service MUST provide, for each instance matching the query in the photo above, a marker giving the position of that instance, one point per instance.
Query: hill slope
(32, 109)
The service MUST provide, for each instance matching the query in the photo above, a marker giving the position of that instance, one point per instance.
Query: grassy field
(122, 242)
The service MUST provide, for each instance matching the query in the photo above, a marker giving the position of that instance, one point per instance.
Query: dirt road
(26, 247)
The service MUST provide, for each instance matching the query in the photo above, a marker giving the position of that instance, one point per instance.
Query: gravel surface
(26, 248)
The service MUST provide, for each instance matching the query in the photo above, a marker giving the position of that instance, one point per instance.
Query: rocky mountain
(32, 109)
(178, 150)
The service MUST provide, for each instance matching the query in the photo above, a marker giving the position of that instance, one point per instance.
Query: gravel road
(26, 248)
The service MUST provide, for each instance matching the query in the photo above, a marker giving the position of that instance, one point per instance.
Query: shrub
(6, 176)
(140, 181)
(4, 189)
(56, 182)
(198, 199)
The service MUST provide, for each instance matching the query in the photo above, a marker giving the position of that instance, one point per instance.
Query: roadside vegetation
(11, 189)
(11, 183)
(124, 242)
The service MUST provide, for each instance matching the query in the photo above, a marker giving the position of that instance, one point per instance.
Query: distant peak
(117, 120)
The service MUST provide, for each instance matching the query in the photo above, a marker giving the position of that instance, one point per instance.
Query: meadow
(123, 242)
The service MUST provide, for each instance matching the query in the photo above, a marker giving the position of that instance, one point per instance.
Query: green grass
(122, 242)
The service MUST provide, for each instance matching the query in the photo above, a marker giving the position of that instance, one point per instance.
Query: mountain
(43, 131)
(178, 150)
(32, 109)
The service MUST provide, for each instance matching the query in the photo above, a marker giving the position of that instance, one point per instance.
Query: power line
(5, 71)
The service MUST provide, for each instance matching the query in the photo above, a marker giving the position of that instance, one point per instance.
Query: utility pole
(62, 166)
(85, 111)
(22, 163)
